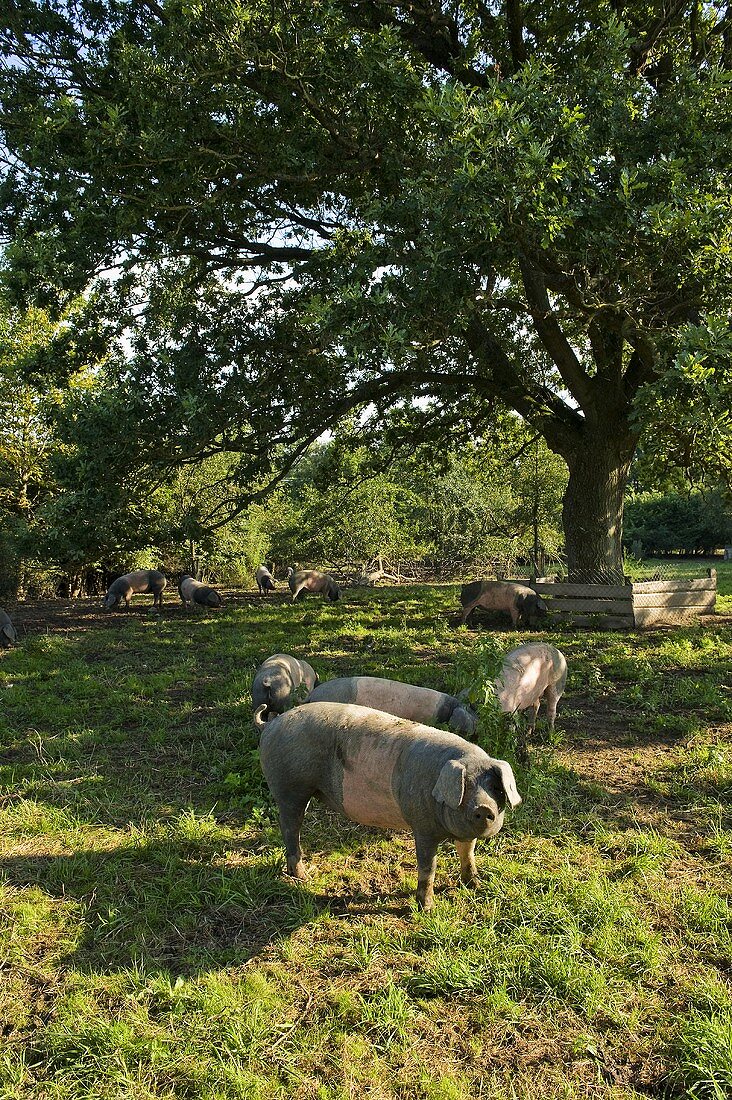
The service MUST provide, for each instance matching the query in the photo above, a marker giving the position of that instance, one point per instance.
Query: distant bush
(689, 523)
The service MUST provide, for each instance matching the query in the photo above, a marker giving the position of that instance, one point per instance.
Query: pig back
(418, 704)
(144, 580)
(373, 767)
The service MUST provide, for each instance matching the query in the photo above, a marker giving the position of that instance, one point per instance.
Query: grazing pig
(521, 602)
(310, 580)
(418, 704)
(264, 579)
(280, 681)
(193, 591)
(142, 580)
(384, 771)
(530, 673)
(7, 630)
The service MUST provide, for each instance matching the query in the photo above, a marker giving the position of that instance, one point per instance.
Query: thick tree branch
(431, 32)
(553, 339)
(644, 363)
(640, 51)
(514, 17)
(500, 378)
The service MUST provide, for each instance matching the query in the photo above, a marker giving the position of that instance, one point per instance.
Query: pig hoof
(297, 871)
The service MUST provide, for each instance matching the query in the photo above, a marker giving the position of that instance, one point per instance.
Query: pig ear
(505, 771)
(450, 785)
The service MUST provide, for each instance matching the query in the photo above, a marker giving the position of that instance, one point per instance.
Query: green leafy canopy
(315, 209)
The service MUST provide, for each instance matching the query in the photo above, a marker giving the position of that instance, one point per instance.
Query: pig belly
(367, 793)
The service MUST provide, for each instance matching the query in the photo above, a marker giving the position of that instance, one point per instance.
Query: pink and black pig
(192, 591)
(518, 600)
(387, 772)
(124, 588)
(310, 580)
(280, 682)
(264, 579)
(530, 674)
(8, 636)
(418, 704)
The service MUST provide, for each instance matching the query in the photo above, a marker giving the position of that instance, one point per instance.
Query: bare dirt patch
(59, 616)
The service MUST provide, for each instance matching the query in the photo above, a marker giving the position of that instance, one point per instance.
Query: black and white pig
(387, 772)
(518, 600)
(124, 588)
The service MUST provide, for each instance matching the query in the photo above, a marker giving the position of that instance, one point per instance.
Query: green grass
(150, 946)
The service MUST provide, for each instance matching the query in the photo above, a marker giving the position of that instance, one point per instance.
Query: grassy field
(151, 947)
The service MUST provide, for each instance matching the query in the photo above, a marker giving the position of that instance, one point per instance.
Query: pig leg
(292, 812)
(467, 610)
(466, 854)
(426, 865)
(552, 699)
(524, 732)
(531, 713)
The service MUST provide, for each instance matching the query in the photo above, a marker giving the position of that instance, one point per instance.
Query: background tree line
(66, 526)
(67, 522)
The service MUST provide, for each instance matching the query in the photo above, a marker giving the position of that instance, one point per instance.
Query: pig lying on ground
(193, 591)
(521, 603)
(310, 580)
(7, 630)
(530, 673)
(280, 681)
(418, 704)
(143, 580)
(264, 579)
(384, 771)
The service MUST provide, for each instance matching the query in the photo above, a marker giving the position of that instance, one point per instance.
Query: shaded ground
(63, 616)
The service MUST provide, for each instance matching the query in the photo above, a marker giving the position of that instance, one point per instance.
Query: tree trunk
(592, 511)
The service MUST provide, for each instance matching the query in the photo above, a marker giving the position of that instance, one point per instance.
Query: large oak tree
(318, 207)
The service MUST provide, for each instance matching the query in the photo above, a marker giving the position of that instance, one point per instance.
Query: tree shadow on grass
(620, 795)
(169, 906)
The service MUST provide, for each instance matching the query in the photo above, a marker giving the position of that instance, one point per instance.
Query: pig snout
(463, 720)
(488, 820)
